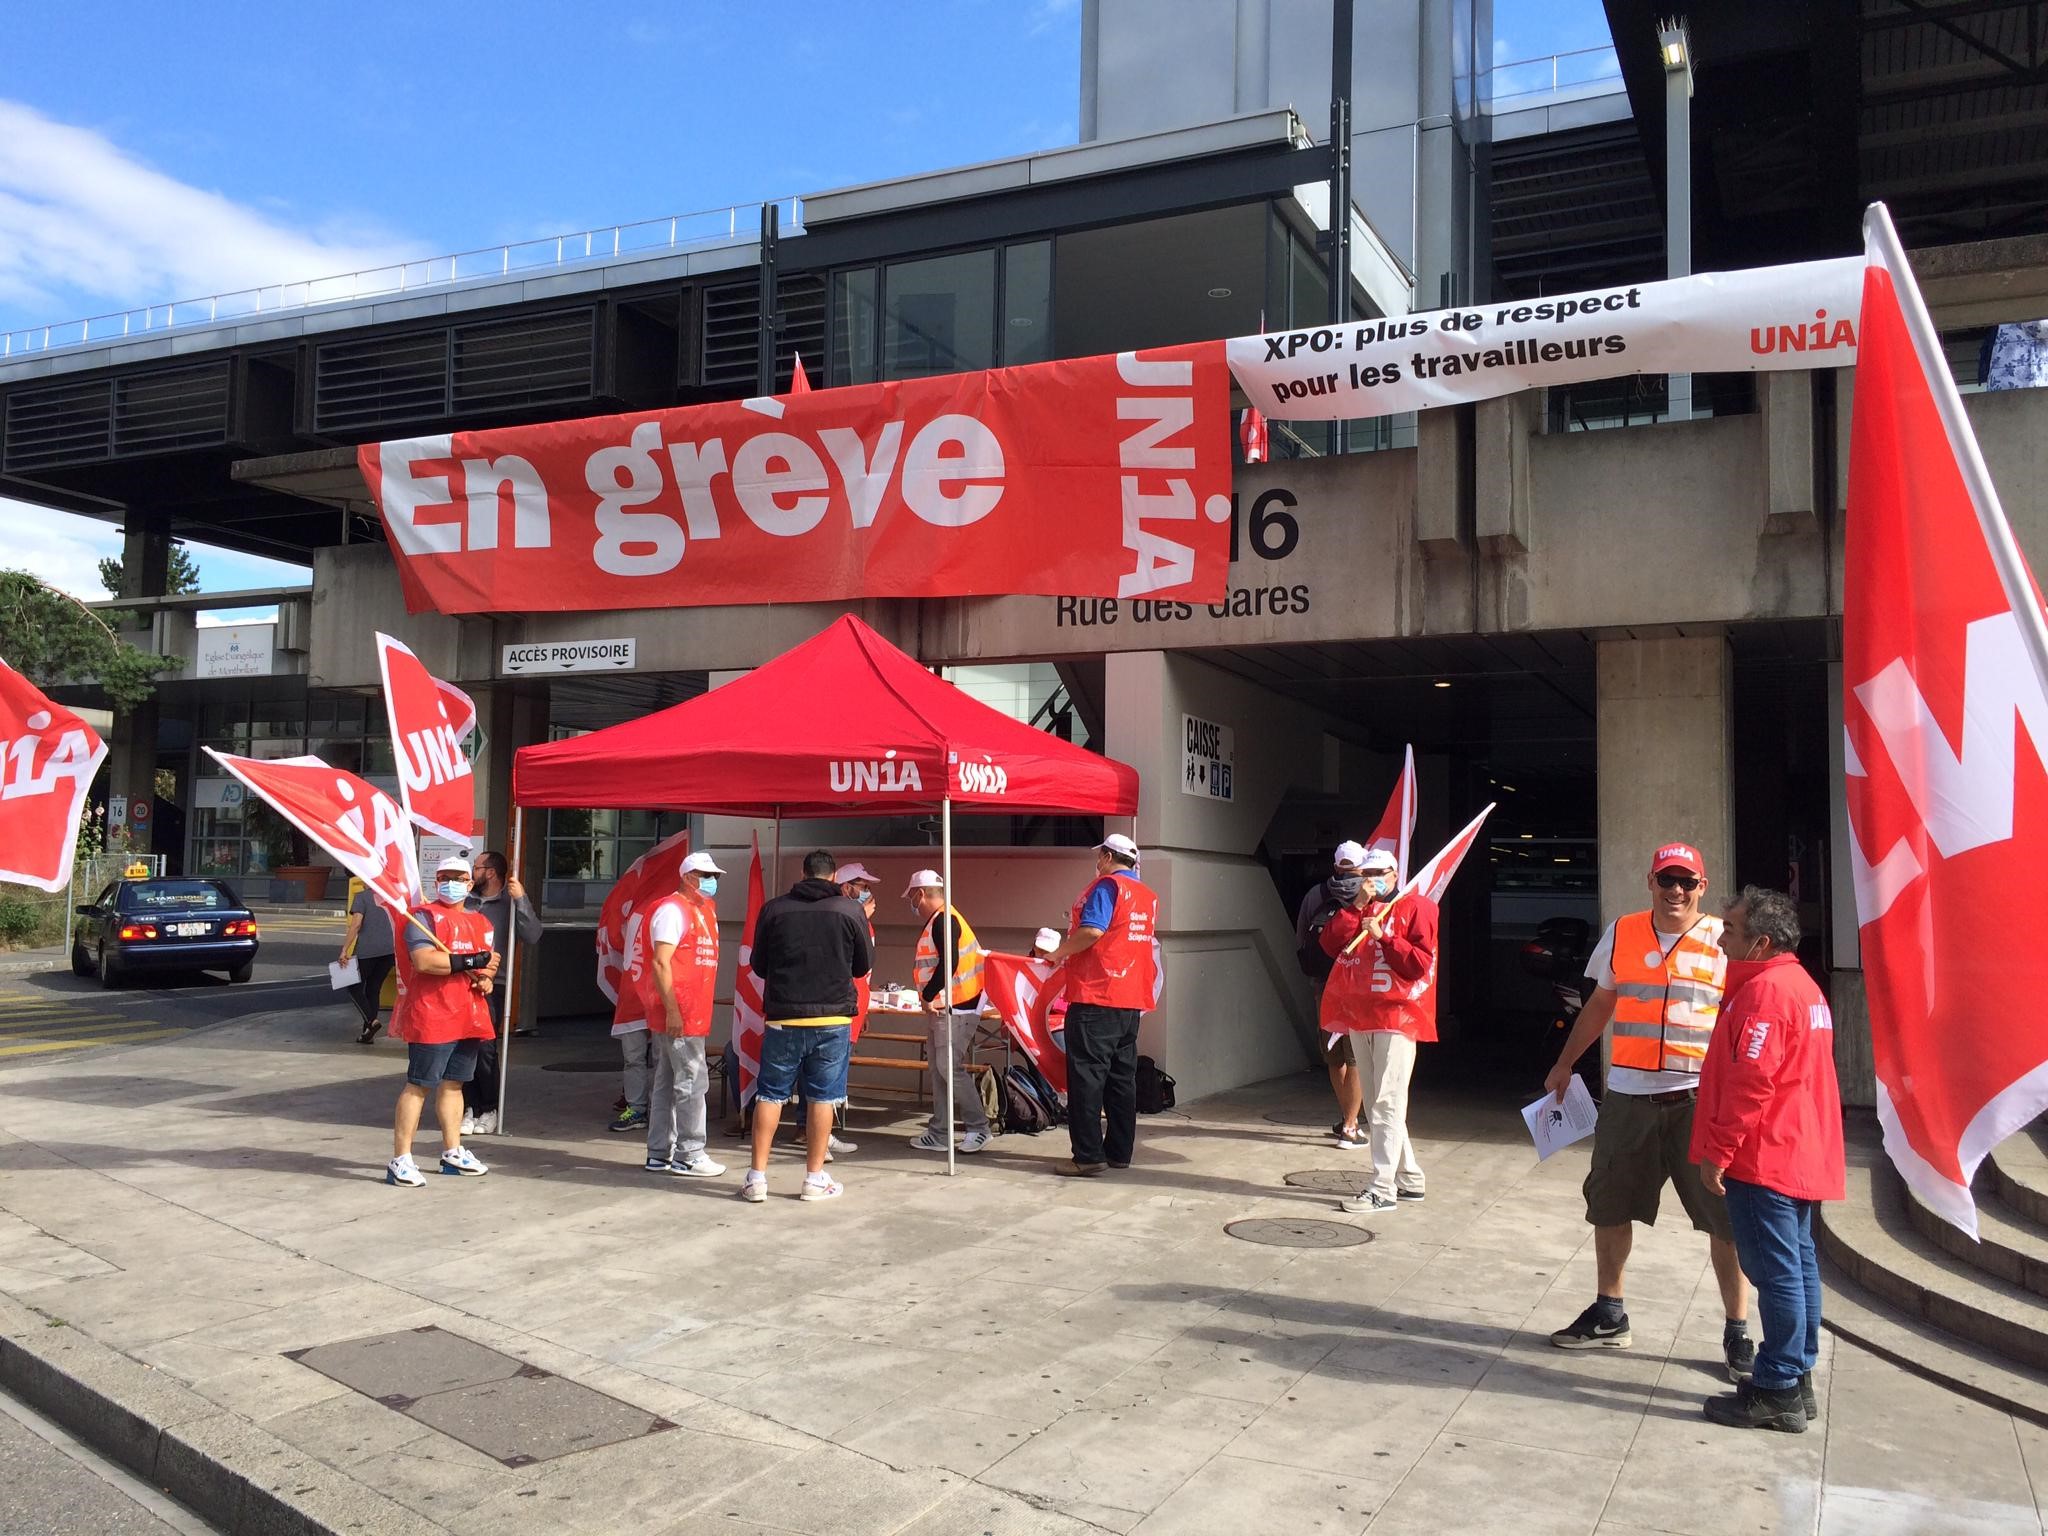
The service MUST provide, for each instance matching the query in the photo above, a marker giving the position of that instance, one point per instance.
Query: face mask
(454, 892)
(1380, 887)
(1346, 887)
(708, 885)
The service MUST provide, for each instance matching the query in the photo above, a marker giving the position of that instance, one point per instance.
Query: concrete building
(1619, 636)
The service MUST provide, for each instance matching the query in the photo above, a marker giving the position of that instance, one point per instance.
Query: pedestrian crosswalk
(33, 1024)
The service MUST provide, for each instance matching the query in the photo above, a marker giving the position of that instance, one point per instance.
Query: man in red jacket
(1768, 1130)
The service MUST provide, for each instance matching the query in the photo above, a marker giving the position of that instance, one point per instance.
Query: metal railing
(1561, 76)
(676, 232)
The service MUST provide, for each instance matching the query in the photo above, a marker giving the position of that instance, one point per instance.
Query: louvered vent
(803, 328)
(732, 317)
(64, 424)
(164, 412)
(511, 365)
(380, 381)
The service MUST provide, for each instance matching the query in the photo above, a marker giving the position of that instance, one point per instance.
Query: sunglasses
(1672, 882)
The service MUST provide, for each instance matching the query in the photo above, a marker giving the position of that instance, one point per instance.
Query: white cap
(1349, 852)
(925, 880)
(701, 864)
(846, 872)
(459, 862)
(1379, 861)
(1047, 939)
(1116, 842)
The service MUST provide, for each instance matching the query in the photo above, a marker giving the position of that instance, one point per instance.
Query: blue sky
(152, 152)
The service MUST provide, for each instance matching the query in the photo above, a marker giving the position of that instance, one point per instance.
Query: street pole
(1674, 44)
(1340, 178)
(769, 325)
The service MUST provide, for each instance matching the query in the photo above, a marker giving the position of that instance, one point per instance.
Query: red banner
(619, 922)
(1095, 477)
(48, 757)
(1397, 823)
(429, 718)
(1023, 992)
(359, 826)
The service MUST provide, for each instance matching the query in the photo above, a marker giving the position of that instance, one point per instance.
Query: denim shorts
(808, 1058)
(452, 1061)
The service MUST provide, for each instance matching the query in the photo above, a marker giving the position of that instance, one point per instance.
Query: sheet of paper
(343, 973)
(1553, 1125)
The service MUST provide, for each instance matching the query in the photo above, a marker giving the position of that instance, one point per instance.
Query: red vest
(862, 988)
(1363, 995)
(692, 969)
(1118, 970)
(438, 1009)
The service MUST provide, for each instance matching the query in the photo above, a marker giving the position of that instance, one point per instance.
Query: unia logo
(887, 777)
(1816, 335)
(983, 778)
(68, 759)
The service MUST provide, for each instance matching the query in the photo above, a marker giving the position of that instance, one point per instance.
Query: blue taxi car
(137, 926)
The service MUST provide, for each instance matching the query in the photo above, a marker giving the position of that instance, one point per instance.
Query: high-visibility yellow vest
(1665, 1005)
(967, 974)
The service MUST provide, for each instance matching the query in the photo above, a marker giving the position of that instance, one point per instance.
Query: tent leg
(946, 978)
(514, 871)
(776, 883)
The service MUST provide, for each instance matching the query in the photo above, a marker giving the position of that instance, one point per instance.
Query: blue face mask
(708, 884)
(454, 892)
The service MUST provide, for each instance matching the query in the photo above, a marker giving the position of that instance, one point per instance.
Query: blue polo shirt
(1099, 909)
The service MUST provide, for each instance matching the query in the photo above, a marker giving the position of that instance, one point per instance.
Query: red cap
(1679, 856)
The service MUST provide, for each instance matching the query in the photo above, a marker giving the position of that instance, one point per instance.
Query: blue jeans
(452, 1061)
(810, 1058)
(1774, 1240)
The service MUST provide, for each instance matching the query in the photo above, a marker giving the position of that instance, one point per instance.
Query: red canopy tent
(843, 725)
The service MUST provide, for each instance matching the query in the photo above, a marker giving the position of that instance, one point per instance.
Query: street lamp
(1674, 48)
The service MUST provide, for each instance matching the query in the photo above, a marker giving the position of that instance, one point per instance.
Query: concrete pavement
(1004, 1352)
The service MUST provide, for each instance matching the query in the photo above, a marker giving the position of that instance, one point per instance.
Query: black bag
(1023, 1114)
(1316, 965)
(1051, 1099)
(1155, 1088)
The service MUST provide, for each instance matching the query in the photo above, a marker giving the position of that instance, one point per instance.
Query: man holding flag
(452, 968)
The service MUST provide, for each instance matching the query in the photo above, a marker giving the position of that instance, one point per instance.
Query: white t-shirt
(1634, 1080)
(667, 926)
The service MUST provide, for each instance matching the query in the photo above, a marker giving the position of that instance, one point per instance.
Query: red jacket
(1769, 1112)
(1388, 983)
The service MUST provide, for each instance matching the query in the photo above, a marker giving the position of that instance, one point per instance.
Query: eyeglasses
(1672, 882)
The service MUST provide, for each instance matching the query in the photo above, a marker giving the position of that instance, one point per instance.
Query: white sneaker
(486, 1124)
(841, 1144)
(468, 1123)
(1368, 1204)
(699, 1167)
(462, 1161)
(754, 1187)
(400, 1170)
(821, 1186)
(973, 1142)
(931, 1141)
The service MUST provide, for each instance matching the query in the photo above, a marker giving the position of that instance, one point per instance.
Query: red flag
(1945, 715)
(1397, 824)
(646, 880)
(1022, 991)
(799, 382)
(1434, 878)
(48, 757)
(749, 1008)
(1251, 434)
(429, 718)
(359, 826)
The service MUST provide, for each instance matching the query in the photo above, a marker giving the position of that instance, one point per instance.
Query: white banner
(1798, 316)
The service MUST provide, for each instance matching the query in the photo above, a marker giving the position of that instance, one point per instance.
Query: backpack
(1023, 1114)
(991, 1098)
(1155, 1088)
(1049, 1098)
(1316, 965)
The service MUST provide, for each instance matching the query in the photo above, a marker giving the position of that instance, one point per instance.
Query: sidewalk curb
(227, 1470)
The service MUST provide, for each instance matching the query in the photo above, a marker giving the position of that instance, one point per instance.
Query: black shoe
(1409, 1194)
(1739, 1351)
(369, 1032)
(1115, 1164)
(1595, 1328)
(1750, 1406)
(1807, 1399)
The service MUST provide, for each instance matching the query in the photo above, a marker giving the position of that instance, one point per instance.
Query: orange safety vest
(1665, 1005)
(967, 974)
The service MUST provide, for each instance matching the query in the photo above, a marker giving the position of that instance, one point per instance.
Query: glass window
(1027, 303)
(853, 328)
(939, 315)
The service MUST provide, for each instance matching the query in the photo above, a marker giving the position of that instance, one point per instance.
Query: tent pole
(514, 871)
(945, 973)
(777, 882)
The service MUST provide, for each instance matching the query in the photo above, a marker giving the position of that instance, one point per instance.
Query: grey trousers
(966, 1097)
(675, 1109)
(633, 1046)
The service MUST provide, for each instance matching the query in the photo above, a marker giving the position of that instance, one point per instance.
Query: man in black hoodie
(808, 947)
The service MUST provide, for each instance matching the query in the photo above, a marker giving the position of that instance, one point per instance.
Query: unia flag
(429, 719)
(1434, 878)
(1397, 823)
(749, 1007)
(632, 895)
(1945, 711)
(1022, 992)
(48, 757)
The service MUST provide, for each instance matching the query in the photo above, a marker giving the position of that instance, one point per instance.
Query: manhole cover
(1332, 1181)
(580, 1066)
(1286, 1232)
(1321, 1117)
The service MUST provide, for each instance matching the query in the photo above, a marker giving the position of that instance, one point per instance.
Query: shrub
(20, 920)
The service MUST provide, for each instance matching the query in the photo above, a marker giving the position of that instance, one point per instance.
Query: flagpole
(945, 964)
(515, 872)
(1880, 235)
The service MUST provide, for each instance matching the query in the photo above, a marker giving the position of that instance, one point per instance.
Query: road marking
(82, 1021)
(79, 1045)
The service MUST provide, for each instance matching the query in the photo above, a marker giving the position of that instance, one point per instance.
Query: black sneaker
(1595, 1328)
(1739, 1351)
(1807, 1399)
(1415, 1195)
(1750, 1406)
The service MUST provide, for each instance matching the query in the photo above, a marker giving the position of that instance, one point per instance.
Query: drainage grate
(1288, 1232)
(1331, 1181)
(513, 1412)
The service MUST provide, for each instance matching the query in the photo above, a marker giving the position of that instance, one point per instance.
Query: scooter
(1558, 955)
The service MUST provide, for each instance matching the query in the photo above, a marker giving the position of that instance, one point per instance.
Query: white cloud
(58, 548)
(81, 217)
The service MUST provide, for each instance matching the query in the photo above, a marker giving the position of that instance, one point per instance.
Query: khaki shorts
(1637, 1145)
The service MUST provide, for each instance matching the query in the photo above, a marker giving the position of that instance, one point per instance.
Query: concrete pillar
(1665, 761)
(131, 747)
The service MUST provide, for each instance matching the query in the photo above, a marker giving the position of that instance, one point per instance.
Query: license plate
(191, 930)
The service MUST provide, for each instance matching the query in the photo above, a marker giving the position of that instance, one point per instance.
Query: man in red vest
(1382, 993)
(675, 966)
(1768, 1134)
(1111, 969)
(445, 1020)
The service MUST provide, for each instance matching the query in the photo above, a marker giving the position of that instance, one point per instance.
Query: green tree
(51, 638)
(182, 577)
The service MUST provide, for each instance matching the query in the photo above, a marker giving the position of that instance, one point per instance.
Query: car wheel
(243, 971)
(81, 962)
(110, 970)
